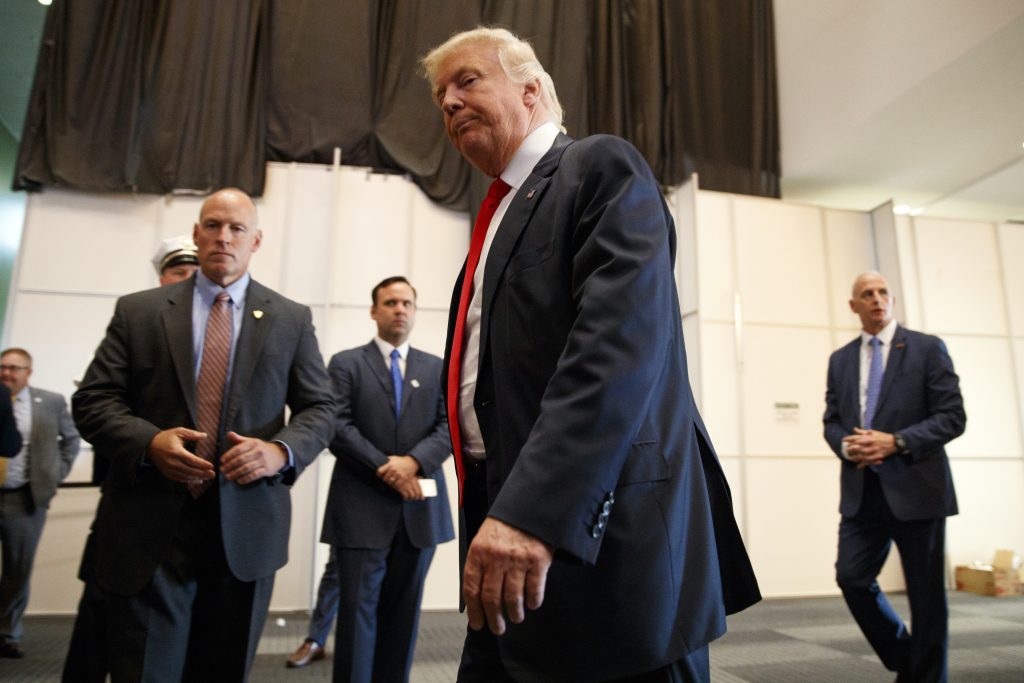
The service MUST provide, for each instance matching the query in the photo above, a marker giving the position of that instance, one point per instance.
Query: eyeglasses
(13, 368)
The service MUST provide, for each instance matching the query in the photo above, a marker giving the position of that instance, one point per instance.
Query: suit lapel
(257, 320)
(892, 365)
(373, 358)
(412, 369)
(852, 379)
(177, 319)
(512, 225)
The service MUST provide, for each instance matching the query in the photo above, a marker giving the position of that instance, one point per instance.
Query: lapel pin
(533, 191)
(257, 314)
(899, 346)
(415, 383)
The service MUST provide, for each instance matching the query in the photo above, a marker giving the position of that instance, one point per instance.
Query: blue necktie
(874, 382)
(396, 379)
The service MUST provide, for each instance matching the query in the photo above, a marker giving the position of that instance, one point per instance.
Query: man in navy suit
(893, 402)
(388, 506)
(591, 493)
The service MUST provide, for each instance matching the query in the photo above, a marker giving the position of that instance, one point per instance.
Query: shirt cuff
(291, 456)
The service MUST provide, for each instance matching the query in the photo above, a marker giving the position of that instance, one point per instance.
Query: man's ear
(531, 93)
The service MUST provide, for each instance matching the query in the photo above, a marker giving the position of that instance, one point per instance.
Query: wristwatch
(901, 443)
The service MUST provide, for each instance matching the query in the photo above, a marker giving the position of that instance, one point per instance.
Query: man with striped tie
(893, 402)
(186, 396)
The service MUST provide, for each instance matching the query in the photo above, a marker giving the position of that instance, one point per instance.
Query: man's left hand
(506, 571)
(250, 459)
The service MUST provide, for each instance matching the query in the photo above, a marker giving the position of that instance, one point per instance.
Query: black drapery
(188, 95)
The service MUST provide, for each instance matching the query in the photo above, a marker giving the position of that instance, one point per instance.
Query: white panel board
(784, 373)
(991, 509)
(682, 203)
(438, 244)
(990, 397)
(372, 243)
(301, 244)
(1011, 253)
(82, 242)
(716, 284)
(720, 401)
(44, 323)
(909, 278)
(781, 262)
(794, 527)
(850, 253)
(959, 268)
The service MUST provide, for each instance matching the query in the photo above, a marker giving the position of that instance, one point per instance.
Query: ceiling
(916, 101)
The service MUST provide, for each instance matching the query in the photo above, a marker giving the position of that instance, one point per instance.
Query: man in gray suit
(27, 483)
(388, 507)
(192, 525)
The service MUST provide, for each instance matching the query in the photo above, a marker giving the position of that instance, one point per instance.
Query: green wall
(12, 219)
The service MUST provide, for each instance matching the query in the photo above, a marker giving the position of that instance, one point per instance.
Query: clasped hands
(506, 571)
(400, 473)
(867, 447)
(247, 460)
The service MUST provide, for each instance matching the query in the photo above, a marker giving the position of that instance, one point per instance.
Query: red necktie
(213, 374)
(499, 188)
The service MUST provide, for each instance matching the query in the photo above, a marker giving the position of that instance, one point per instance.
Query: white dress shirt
(534, 147)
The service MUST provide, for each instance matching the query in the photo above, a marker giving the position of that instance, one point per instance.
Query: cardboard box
(988, 580)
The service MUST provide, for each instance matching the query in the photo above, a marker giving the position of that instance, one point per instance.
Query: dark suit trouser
(21, 525)
(481, 657)
(194, 621)
(864, 542)
(326, 608)
(379, 610)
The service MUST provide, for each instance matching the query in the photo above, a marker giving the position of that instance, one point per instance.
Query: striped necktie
(213, 374)
(874, 382)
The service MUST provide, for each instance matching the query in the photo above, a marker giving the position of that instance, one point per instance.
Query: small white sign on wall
(787, 411)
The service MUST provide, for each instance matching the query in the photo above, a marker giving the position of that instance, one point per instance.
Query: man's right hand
(168, 454)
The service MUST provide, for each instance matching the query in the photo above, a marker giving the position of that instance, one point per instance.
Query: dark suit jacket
(10, 437)
(593, 441)
(54, 445)
(921, 400)
(141, 381)
(362, 511)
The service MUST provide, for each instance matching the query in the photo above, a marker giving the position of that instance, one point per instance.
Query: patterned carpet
(777, 641)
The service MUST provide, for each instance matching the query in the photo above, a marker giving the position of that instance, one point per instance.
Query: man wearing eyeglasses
(28, 481)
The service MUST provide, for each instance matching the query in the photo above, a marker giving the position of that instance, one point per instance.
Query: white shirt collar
(535, 146)
(885, 335)
(386, 348)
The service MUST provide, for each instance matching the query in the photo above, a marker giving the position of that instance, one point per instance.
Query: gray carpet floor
(776, 641)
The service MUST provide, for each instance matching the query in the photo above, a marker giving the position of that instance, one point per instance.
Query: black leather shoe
(11, 651)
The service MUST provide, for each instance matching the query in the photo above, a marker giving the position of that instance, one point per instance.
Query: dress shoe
(309, 651)
(12, 651)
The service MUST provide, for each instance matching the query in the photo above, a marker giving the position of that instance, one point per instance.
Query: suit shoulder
(845, 348)
(348, 355)
(426, 356)
(46, 395)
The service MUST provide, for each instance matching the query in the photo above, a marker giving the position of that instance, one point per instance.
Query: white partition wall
(329, 235)
(774, 283)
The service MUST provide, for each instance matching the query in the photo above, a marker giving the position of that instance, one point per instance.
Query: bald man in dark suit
(192, 525)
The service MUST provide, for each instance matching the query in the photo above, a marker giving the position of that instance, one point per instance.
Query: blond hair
(515, 55)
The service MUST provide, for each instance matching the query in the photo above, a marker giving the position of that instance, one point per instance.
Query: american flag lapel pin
(533, 191)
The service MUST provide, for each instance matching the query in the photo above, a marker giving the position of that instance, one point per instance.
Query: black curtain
(190, 95)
